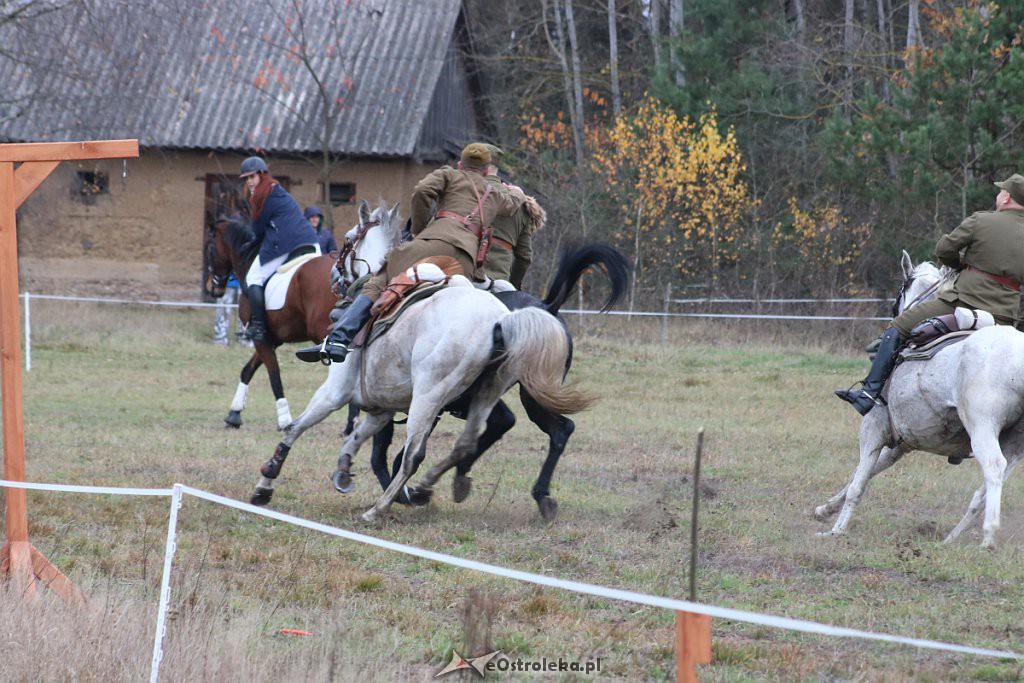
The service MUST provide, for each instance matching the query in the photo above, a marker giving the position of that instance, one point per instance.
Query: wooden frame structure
(23, 167)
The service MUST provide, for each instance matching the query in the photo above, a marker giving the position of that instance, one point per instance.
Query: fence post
(165, 585)
(664, 314)
(693, 645)
(693, 631)
(28, 334)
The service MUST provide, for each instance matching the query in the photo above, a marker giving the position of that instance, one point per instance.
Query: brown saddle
(401, 292)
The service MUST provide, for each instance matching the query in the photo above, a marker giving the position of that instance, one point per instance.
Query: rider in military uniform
(511, 249)
(988, 250)
(466, 201)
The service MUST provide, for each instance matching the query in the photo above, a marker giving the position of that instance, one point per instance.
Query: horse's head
(229, 248)
(920, 283)
(368, 243)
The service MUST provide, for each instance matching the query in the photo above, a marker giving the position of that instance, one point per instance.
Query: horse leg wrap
(238, 402)
(272, 467)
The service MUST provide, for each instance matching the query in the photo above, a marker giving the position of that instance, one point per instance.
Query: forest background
(744, 148)
(756, 147)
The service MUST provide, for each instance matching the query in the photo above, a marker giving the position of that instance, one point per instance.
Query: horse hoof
(548, 508)
(233, 420)
(821, 513)
(370, 516)
(418, 496)
(828, 534)
(342, 482)
(261, 496)
(462, 486)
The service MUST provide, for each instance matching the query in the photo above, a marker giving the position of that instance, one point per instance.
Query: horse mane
(242, 239)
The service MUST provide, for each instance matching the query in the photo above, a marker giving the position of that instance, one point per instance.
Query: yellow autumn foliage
(679, 182)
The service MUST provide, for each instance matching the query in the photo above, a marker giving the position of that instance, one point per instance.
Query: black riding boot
(257, 313)
(865, 398)
(335, 347)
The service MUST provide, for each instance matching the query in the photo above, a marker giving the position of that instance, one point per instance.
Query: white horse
(458, 338)
(968, 399)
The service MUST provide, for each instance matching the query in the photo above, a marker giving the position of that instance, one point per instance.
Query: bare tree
(913, 24)
(613, 57)
(313, 37)
(675, 29)
(656, 31)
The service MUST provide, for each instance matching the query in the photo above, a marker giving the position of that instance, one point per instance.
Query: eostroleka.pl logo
(496, 661)
(460, 662)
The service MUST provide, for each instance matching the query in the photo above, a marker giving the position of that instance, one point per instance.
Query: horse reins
(347, 256)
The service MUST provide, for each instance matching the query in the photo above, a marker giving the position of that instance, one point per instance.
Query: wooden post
(664, 314)
(693, 631)
(21, 563)
(693, 645)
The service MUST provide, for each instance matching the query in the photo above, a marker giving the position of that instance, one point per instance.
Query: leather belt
(461, 220)
(1007, 282)
(498, 242)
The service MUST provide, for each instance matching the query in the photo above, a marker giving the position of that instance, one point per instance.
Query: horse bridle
(920, 297)
(347, 255)
(217, 281)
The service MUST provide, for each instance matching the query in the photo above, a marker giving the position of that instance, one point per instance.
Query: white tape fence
(179, 490)
(664, 315)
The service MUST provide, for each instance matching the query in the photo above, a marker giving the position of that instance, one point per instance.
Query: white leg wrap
(238, 402)
(459, 281)
(284, 413)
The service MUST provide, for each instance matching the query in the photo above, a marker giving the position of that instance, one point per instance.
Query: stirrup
(313, 354)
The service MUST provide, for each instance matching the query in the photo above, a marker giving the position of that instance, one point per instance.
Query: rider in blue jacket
(279, 227)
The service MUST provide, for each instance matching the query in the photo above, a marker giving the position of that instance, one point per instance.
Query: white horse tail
(536, 354)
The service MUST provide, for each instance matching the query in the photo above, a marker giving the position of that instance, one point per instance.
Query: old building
(382, 87)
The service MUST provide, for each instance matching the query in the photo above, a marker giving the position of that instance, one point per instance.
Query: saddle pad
(928, 351)
(296, 262)
(277, 286)
(422, 291)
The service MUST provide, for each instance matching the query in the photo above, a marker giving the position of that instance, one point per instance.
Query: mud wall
(143, 237)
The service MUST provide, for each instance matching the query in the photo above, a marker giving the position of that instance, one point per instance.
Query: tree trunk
(801, 21)
(675, 28)
(848, 35)
(913, 24)
(577, 86)
(656, 31)
(613, 57)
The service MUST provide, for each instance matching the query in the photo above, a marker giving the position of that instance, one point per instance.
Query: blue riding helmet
(312, 211)
(252, 165)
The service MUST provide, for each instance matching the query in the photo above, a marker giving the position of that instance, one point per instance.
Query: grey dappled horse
(968, 399)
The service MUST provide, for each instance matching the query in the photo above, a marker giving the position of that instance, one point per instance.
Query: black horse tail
(572, 266)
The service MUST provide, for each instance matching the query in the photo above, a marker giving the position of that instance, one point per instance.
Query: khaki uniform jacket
(992, 241)
(510, 263)
(453, 190)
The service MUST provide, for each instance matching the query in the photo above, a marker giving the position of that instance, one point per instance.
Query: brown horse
(304, 317)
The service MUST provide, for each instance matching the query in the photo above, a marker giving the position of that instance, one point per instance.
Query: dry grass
(128, 397)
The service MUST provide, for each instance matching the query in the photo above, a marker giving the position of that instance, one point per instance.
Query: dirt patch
(668, 509)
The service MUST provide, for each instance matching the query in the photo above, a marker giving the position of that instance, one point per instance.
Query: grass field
(135, 397)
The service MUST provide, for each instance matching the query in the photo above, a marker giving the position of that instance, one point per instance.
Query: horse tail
(536, 348)
(572, 266)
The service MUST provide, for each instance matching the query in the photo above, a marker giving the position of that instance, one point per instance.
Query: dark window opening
(88, 184)
(343, 193)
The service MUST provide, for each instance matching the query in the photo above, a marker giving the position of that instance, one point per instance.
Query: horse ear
(394, 210)
(364, 212)
(906, 264)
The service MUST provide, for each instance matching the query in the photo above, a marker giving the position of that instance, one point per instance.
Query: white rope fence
(664, 315)
(179, 490)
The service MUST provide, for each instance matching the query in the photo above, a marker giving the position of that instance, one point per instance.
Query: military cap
(476, 154)
(1015, 186)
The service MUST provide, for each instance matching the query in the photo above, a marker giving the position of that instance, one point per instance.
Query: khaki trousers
(405, 256)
